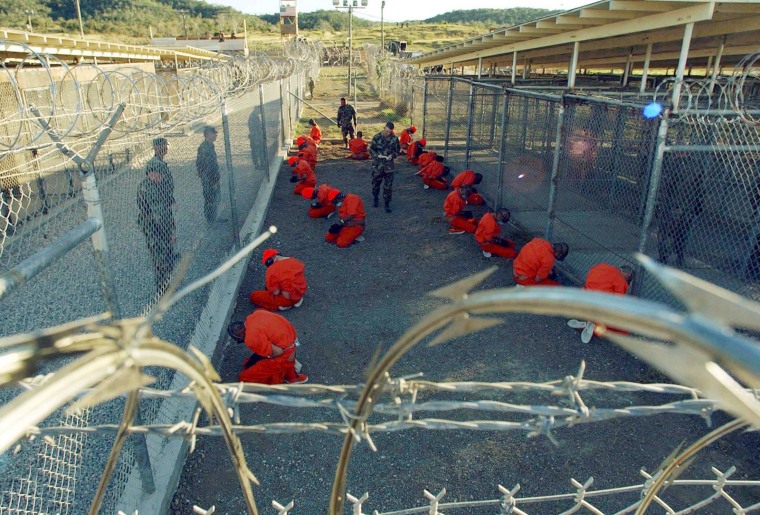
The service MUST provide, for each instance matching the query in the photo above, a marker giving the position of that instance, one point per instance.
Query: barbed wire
(112, 358)
(77, 100)
(737, 93)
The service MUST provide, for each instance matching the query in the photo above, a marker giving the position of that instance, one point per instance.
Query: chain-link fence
(585, 169)
(161, 191)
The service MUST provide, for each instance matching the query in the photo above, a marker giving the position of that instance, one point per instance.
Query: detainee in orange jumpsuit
(303, 175)
(358, 148)
(415, 151)
(487, 235)
(534, 265)
(604, 278)
(300, 140)
(460, 221)
(315, 132)
(273, 341)
(405, 138)
(434, 175)
(321, 207)
(308, 154)
(284, 281)
(469, 178)
(351, 216)
(425, 159)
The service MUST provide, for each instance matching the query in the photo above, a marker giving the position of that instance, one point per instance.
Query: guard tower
(288, 18)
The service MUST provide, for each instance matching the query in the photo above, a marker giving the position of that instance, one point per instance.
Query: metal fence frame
(53, 475)
(588, 169)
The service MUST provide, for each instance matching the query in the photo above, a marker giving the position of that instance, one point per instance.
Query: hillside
(491, 17)
(115, 20)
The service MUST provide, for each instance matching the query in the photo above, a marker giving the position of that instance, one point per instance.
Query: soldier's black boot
(374, 202)
(388, 207)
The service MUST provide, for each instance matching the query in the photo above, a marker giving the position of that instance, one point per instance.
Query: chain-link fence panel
(484, 139)
(163, 183)
(603, 173)
(705, 217)
(435, 108)
(701, 215)
(529, 142)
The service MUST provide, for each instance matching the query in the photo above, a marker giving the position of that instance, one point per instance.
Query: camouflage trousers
(382, 173)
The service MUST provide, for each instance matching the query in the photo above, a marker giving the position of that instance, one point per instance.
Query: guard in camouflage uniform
(383, 149)
(207, 167)
(155, 216)
(346, 120)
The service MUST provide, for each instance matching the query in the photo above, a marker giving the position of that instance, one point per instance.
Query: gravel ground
(360, 300)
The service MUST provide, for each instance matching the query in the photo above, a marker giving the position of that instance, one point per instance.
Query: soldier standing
(155, 216)
(383, 149)
(207, 167)
(346, 120)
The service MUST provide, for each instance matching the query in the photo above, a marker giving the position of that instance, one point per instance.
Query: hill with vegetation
(118, 20)
(491, 17)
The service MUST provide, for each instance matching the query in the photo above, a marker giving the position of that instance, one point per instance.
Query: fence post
(654, 181)
(470, 109)
(285, 131)
(264, 131)
(492, 135)
(424, 107)
(290, 110)
(230, 175)
(526, 101)
(617, 153)
(448, 119)
(550, 210)
(502, 152)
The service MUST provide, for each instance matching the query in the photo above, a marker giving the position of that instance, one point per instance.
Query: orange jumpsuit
(425, 159)
(309, 154)
(307, 177)
(404, 139)
(358, 149)
(608, 279)
(536, 259)
(431, 175)
(300, 140)
(413, 153)
(316, 133)
(325, 207)
(352, 211)
(283, 276)
(264, 330)
(467, 178)
(487, 235)
(452, 206)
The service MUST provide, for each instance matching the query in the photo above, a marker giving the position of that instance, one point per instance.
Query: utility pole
(382, 46)
(184, 24)
(350, 4)
(29, 14)
(350, 43)
(79, 17)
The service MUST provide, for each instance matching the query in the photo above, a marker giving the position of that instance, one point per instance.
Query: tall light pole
(382, 29)
(350, 4)
(184, 25)
(29, 14)
(79, 17)
(382, 46)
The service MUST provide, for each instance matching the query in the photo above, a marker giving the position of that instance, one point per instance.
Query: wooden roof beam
(606, 14)
(577, 20)
(526, 29)
(552, 25)
(640, 6)
(645, 24)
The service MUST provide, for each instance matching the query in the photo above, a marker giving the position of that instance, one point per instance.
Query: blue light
(652, 110)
